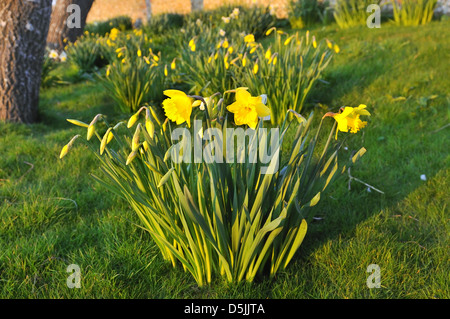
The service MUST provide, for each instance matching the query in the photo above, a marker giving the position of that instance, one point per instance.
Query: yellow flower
(139, 52)
(113, 34)
(173, 65)
(78, 123)
(244, 60)
(247, 108)
(192, 45)
(165, 70)
(225, 43)
(275, 60)
(314, 43)
(336, 48)
(288, 40)
(178, 107)
(249, 38)
(230, 50)
(270, 31)
(255, 68)
(68, 146)
(329, 44)
(268, 54)
(348, 118)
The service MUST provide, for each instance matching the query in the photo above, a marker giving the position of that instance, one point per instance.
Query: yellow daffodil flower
(348, 118)
(249, 38)
(173, 65)
(247, 108)
(268, 54)
(288, 40)
(255, 68)
(178, 107)
(336, 48)
(225, 43)
(275, 60)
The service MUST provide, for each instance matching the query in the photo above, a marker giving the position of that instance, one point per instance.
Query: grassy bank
(53, 214)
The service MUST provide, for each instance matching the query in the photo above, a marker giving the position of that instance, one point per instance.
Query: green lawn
(53, 214)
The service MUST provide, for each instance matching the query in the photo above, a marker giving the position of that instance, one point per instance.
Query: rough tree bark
(58, 30)
(23, 30)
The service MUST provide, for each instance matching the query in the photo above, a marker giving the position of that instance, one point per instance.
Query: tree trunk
(23, 30)
(59, 30)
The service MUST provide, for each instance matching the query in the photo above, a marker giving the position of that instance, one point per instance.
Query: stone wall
(136, 9)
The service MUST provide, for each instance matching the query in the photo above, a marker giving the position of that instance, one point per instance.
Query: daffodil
(274, 61)
(68, 146)
(270, 31)
(288, 40)
(247, 108)
(173, 65)
(192, 45)
(53, 54)
(225, 43)
(348, 118)
(268, 54)
(178, 107)
(255, 68)
(249, 38)
(336, 48)
(63, 57)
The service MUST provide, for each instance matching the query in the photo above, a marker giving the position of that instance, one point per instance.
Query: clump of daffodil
(178, 107)
(247, 108)
(348, 118)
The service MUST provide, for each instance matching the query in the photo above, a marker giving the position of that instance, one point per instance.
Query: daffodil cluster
(228, 219)
(292, 61)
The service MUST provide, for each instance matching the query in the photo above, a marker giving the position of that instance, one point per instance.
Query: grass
(53, 214)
